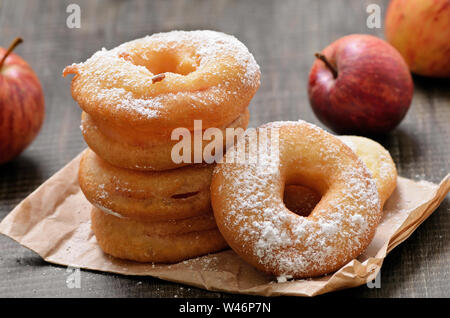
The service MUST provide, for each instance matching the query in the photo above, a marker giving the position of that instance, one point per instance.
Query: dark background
(283, 36)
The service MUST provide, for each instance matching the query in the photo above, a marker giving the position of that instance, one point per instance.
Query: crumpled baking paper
(54, 221)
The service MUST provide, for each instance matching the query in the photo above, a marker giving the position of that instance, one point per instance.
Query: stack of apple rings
(148, 207)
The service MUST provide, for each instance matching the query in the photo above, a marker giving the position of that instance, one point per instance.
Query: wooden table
(283, 36)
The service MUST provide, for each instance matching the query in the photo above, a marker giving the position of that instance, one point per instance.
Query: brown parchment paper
(54, 221)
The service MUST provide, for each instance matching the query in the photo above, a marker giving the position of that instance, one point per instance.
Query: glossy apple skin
(21, 106)
(420, 31)
(373, 89)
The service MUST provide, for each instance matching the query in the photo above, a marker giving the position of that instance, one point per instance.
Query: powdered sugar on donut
(125, 100)
(288, 244)
(108, 78)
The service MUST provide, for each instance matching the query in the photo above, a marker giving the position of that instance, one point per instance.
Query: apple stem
(13, 45)
(322, 57)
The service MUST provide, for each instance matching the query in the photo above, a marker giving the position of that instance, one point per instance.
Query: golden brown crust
(207, 75)
(174, 194)
(133, 150)
(160, 242)
(249, 210)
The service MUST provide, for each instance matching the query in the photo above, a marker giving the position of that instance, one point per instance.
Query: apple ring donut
(150, 196)
(126, 149)
(379, 162)
(247, 200)
(160, 242)
(302, 200)
(157, 83)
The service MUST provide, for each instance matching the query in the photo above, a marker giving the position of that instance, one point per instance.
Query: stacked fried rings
(147, 206)
(136, 94)
(146, 216)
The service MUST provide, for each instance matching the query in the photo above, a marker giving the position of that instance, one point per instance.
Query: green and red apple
(420, 31)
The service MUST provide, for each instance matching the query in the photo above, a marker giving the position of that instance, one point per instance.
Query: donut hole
(167, 62)
(300, 199)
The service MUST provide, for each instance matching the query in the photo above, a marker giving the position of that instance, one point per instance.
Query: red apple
(360, 85)
(21, 104)
(420, 31)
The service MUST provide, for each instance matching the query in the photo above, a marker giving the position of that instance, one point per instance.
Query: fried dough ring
(247, 200)
(159, 242)
(302, 200)
(150, 196)
(126, 149)
(379, 162)
(164, 81)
